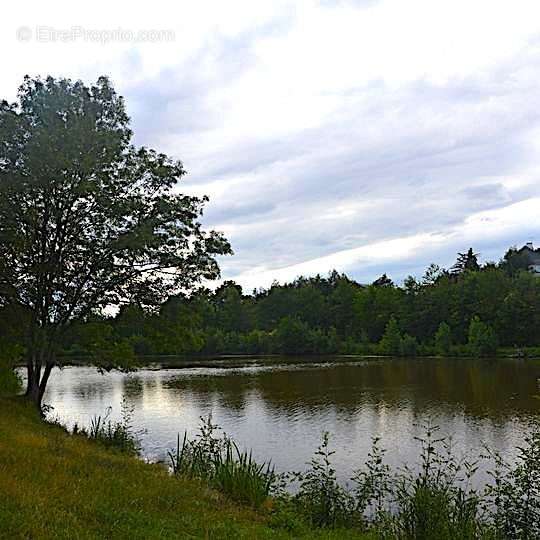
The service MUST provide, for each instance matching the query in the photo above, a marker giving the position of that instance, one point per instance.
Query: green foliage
(390, 343)
(335, 315)
(218, 461)
(332, 315)
(10, 382)
(119, 435)
(409, 346)
(515, 493)
(433, 501)
(443, 339)
(373, 485)
(83, 490)
(482, 339)
(238, 475)
(87, 220)
(294, 336)
(466, 262)
(320, 498)
(10, 353)
(436, 502)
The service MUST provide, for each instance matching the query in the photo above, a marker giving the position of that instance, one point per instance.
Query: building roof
(533, 255)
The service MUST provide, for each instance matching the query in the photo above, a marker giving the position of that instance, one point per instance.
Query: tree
(409, 345)
(391, 341)
(383, 281)
(231, 310)
(482, 339)
(466, 261)
(87, 220)
(443, 339)
(177, 328)
(293, 336)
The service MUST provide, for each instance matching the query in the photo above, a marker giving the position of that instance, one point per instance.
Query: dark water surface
(280, 407)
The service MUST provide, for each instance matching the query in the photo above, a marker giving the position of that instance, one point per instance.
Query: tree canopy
(441, 313)
(87, 219)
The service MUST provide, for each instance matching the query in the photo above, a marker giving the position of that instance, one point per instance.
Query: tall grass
(119, 435)
(239, 475)
(515, 492)
(218, 460)
(434, 501)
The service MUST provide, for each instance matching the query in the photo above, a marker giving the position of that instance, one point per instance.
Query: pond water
(280, 407)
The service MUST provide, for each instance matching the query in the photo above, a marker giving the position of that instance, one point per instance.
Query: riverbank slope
(55, 485)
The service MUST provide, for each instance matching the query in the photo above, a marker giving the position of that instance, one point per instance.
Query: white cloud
(362, 134)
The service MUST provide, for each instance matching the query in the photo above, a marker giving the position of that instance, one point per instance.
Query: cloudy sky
(361, 135)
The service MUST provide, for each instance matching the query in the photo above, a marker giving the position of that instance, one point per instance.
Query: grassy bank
(54, 485)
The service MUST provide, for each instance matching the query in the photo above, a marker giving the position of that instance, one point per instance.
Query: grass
(56, 485)
(217, 460)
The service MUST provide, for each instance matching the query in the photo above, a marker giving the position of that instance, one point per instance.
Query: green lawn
(53, 485)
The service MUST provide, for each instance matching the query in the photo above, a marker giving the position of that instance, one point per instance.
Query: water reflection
(281, 409)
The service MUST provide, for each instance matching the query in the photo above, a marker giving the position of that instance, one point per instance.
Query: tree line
(466, 310)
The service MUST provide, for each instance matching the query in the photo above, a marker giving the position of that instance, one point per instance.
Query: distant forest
(467, 310)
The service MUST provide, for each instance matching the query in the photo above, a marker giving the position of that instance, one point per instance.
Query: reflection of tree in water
(500, 387)
(134, 387)
(229, 391)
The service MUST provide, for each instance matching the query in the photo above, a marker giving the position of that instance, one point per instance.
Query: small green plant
(239, 475)
(374, 485)
(436, 502)
(219, 461)
(514, 497)
(320, 497)
(119, 435)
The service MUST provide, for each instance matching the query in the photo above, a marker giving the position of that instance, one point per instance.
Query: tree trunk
(37, 379)
(32, 386)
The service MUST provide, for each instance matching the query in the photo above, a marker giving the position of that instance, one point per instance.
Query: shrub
(443, 339)
(409, 346)
(373, 485)
(391, 340)
(10, 382)
(237, 474)
(482, 339)
(515, 494)
(294, 336)
(320, 498)
(433, 503)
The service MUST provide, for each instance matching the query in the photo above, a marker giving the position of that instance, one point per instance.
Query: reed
(219, 461)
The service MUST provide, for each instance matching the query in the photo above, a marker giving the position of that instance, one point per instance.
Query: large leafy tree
(88, 220)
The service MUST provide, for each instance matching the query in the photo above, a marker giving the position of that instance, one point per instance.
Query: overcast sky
(361, 135)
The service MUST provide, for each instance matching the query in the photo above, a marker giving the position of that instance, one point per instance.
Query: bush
(443, 339)
(390, 343)
(320, 498)
(482, 339)
(515, 494)
(294, 336)
(10, 382)
(409, 346)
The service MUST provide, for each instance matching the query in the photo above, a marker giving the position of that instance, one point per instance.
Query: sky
(366, 136)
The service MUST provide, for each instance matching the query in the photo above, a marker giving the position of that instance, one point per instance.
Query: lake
(280, 407)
